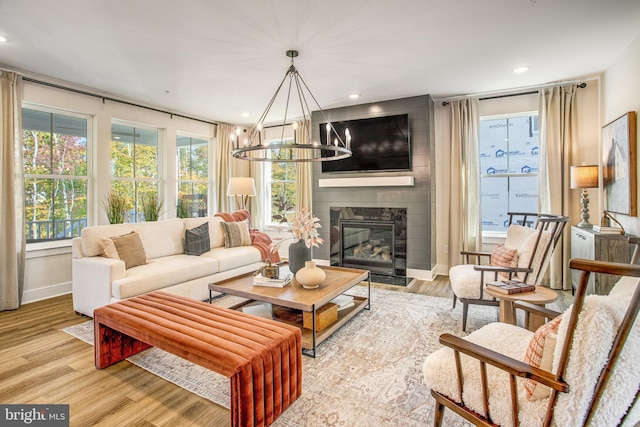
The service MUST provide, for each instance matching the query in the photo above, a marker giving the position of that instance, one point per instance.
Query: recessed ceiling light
(3, 39)
(245, 114)
(354, 95)
(520, 70)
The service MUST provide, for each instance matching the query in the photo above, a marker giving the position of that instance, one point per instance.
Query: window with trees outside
(508, 168)
(282, 185)
(193, 174)
(55, 173)
(134, 167)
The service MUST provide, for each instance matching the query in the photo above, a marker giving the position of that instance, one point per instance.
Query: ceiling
(218, 59)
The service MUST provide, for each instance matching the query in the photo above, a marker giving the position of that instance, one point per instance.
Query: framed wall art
(619, 165)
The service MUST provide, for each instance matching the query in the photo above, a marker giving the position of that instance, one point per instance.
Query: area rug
(368, 373)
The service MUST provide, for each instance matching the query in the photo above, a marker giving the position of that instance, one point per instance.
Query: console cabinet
(589, 244)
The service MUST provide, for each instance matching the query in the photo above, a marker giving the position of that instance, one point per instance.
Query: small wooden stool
(540, 296)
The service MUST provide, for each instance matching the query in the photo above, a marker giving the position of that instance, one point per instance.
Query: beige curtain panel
(464, 186)
(12, 226)
(558, 118)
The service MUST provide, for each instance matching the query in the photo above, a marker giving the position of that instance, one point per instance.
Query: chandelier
(302, 148)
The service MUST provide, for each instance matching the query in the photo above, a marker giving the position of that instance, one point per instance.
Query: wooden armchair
(592, 375)
(531, 239)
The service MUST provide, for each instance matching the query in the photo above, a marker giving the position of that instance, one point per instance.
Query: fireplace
(373, 239)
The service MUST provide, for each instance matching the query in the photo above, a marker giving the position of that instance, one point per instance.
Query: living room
(610, 92)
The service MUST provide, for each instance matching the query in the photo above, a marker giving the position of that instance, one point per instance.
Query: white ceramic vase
(310, 276)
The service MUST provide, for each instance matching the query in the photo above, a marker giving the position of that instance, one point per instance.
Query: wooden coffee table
(338, 281)
(540, 296)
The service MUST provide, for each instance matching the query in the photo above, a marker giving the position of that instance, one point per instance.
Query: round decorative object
(310, 276)
(299, 253)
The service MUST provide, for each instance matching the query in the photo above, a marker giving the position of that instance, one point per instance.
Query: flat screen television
(377, 143)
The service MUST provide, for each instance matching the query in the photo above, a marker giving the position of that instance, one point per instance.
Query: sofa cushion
(163, 272)
(216, 235)
(196, 240)
(159, 238)
(236, 234)
(130, 249)
(231, 258)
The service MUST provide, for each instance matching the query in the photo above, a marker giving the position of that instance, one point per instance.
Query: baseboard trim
(39, 294)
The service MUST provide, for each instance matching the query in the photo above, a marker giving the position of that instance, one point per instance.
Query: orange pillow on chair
(540, 354)
(503, 256)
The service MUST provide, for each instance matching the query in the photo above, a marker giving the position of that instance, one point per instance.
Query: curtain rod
(507, 95)
(108, 98)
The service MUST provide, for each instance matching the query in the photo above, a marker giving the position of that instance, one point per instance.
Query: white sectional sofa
(98, 280)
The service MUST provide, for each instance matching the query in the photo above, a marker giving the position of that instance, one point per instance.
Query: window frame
(208, 182)
(497, 236)
(159, 164)
(89, 165)
(269, 181)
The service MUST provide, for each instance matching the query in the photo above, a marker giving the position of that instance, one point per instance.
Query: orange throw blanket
(259, 240)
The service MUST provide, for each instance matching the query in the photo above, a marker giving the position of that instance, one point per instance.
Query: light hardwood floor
(41, 364)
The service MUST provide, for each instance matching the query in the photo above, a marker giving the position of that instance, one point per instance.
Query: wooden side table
(540, 296)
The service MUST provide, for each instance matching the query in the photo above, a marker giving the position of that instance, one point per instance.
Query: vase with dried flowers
(303, 226)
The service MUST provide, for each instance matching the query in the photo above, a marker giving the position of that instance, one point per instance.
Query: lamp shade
(585, 176)
(241, 186)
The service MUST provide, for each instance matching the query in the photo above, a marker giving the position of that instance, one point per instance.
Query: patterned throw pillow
(196, 240)
(236, 234)
(502, 256)
(130, 249)
(540, 354)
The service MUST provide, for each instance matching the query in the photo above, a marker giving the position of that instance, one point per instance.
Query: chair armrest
(499, 269)
(536, 309)
(505, 363)
(475, 253)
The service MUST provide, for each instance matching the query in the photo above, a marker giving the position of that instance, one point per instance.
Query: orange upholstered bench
(263, 358)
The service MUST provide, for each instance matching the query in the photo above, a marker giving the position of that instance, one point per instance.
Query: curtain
(223, 167)
(260, 205)
(464, 184)
(12, 225)
(304, 170)
(558, 134)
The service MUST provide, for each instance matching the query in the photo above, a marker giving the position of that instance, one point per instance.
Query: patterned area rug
(368, 373)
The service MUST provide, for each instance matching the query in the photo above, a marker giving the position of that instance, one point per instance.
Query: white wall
(620, 94)
(48, 265)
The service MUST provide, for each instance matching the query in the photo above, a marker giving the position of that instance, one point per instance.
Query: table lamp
(585, 176)
(241, 188)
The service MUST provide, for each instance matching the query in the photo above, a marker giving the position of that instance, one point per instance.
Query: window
(55, 174)
(192, 169)
(134, 166)
(508, 168)
(282, 185)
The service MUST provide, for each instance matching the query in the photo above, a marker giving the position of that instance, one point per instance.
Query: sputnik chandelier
(300, 149)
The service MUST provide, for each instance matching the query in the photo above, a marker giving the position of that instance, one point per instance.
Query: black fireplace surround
(373, 239)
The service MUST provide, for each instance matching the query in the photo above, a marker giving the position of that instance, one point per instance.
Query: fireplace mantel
(369, 181)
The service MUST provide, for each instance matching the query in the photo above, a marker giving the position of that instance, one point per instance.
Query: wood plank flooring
(41, 364)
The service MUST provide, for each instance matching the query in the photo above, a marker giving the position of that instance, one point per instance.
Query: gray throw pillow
(196, 240)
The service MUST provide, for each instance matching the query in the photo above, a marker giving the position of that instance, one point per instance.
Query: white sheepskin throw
(597, 325)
